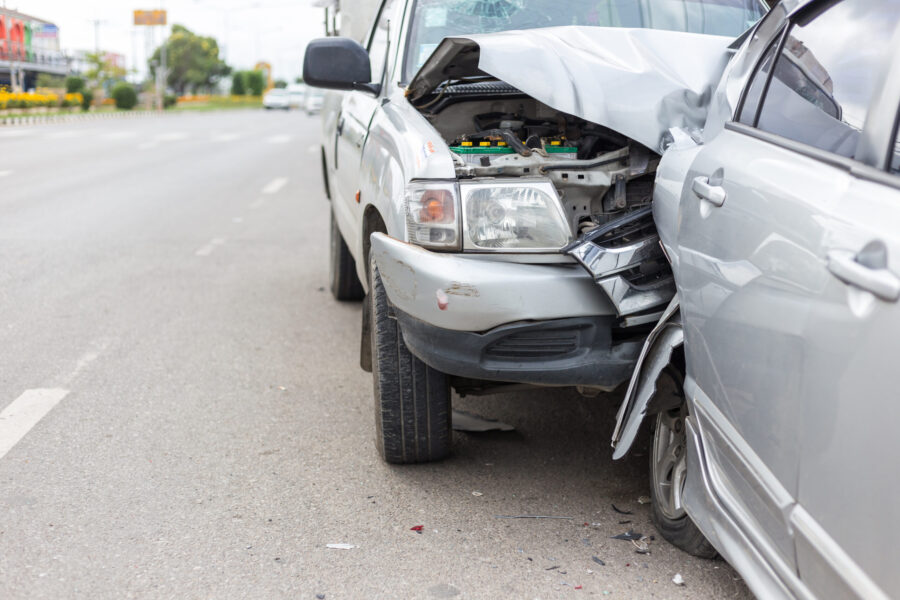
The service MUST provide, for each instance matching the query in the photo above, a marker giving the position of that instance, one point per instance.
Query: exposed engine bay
(603, 179)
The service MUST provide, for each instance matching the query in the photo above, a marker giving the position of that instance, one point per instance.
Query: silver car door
(849, 479)
(352, 128)
(752, 239)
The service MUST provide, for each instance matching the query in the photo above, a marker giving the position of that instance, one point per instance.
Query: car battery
(479, 153)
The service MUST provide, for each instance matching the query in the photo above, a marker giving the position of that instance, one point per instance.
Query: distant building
(28, 46)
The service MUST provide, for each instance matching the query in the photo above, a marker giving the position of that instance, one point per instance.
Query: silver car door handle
(880, 282)
(714, 194)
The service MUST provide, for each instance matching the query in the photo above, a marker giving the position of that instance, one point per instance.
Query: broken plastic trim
(626, 260)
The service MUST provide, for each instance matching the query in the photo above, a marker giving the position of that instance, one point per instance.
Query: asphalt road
(207, 428)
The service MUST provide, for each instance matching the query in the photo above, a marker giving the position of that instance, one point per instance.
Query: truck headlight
(432, 214)
(513, 215)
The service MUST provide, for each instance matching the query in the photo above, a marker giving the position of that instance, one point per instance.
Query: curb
(38, 119)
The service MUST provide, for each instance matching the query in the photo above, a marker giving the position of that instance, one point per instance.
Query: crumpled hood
(638, 82)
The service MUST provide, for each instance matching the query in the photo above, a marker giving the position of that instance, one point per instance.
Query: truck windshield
(433, 20)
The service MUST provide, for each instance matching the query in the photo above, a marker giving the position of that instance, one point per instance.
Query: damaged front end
(588, 110)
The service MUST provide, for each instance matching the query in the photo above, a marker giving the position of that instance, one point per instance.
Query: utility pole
(97, 23)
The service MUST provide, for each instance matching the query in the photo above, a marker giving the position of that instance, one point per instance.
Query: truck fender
(656, 354)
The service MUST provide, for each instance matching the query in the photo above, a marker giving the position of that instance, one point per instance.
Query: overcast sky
(248, 31)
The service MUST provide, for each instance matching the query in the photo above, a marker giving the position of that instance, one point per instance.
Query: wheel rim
(669, 466)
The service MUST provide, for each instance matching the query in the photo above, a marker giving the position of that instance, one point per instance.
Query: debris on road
(417, 528)
(554, 567)
(628, 535)
(598, 561)
(471, 423)
(644, 500)
(341, 546)
(530, 517)
(642, 546)
(577, 587)
(320, 596)
(678, 579)
(620, 511)
(477, 494)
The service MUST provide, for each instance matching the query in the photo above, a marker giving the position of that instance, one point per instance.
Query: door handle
(873, 277)
(714, 194)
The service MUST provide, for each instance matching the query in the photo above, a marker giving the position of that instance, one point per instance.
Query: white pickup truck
(460, 167)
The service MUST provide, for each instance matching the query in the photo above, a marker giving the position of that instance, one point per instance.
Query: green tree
(102, 71)
(192, 61)
(124, 95)
(256, 82)
(46, 80)
(74, 84)
(280, 84)
(238, 85)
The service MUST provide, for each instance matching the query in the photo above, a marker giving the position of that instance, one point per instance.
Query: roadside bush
(238, 84)
(169, 101)
(87, 96)
(256, 82)
(124, 95)
(74, 84)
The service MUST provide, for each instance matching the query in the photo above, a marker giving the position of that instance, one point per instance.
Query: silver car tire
(668, 472)
(412, 400)
(345, 284)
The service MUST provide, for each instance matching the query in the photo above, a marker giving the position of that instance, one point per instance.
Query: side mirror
(338, 63)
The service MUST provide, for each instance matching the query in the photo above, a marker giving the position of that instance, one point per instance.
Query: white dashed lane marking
(279, 139)
(5, 173)
(208, 248)
(274, 186)
(24, 413)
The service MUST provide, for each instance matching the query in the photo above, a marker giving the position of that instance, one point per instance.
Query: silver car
(458, 166)
(769, 378)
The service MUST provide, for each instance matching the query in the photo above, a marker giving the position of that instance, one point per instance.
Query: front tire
(345, 284)
(412, 400)
(668, 473)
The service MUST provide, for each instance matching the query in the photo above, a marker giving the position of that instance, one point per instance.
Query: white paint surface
(208, 248)
(274, 186)
(24, 413)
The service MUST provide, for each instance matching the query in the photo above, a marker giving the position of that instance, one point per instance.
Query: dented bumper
(461, 293)
(542, 324)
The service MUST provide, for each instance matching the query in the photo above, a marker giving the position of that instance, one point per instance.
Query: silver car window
(825, 75)
(378, 45)
(433, 20)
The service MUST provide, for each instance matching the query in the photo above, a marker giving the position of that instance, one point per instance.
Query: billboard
(149, 17)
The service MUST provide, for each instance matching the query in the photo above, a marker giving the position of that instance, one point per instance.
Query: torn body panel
(655, 356)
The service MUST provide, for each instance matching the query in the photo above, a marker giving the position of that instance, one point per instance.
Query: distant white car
(297, 95)
(277, 98)
(313, 101)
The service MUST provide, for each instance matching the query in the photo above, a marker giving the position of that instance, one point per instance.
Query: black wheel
(345, 284)
(668, 472)
(412, 400)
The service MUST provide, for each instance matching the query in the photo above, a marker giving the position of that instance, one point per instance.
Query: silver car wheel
(669, 465)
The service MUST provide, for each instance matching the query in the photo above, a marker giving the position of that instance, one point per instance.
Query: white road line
(208, 248)
(257, 203)
(5, 173)
(82, 364)
(279, 139)
(274, 186)
(24, 413)
(17, 133)
(226, 137)
(172, 136)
